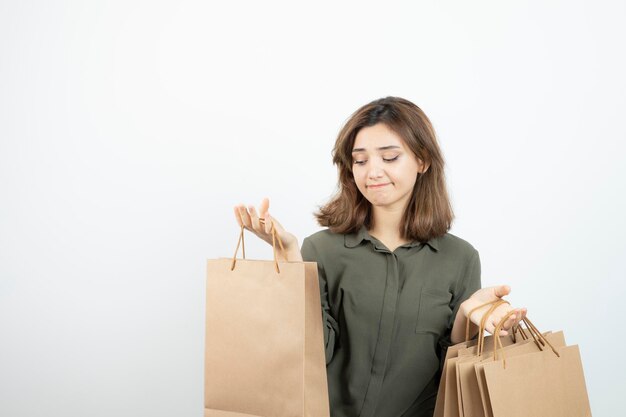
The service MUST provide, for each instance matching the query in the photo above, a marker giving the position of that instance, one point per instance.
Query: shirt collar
(352, 240)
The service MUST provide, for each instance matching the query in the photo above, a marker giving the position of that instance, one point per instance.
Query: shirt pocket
(433, 313)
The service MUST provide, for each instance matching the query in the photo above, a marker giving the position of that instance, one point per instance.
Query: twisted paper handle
(539, 338)
(481, 329)
(243, 248)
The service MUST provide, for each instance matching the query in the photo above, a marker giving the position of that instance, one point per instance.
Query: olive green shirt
(387, 318)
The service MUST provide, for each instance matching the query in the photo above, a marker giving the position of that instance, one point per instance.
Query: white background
(129, 130)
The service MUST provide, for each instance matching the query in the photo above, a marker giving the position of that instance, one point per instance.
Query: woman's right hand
(249, 219)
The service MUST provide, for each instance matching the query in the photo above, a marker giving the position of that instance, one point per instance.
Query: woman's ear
(422, 166)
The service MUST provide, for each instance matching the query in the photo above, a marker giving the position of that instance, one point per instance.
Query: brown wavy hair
(429, 212)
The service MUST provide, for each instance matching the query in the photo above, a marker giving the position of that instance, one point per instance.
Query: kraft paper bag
(468, 393)
(556, 339)
(452, 352)
(447, 404)
(471, 400)
(264, 347)
(549, 382)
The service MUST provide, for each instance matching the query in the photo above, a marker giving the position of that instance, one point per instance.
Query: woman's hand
(486, 295)
(249, 219)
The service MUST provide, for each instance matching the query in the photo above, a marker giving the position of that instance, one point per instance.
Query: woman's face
(384, 169)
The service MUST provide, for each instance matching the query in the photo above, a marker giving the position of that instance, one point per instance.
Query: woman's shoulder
(324, 238)
(325, 242)
(455, 246)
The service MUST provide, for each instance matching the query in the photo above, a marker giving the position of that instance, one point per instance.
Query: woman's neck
(386, 224)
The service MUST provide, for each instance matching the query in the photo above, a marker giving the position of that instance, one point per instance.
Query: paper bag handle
(467, 321)
(483, 323)
(481, 329)
(534, 332)
(243, 248)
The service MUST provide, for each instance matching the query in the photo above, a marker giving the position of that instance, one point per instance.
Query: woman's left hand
(489, 294)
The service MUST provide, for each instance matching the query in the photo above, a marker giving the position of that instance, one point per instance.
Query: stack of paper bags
(525, 374)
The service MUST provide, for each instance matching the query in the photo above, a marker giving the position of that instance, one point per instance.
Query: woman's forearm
(293, 253)
(458, 328)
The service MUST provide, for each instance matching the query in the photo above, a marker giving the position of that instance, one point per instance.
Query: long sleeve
(331, 327)
(468, 283)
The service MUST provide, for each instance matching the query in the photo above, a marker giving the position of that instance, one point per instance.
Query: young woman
(396, 287)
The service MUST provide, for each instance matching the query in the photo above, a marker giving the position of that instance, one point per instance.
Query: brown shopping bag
(473, 398)
(447, 404)
(453, 394)
(445, 386)
(556, 339)
(549, 381)
(264, 347)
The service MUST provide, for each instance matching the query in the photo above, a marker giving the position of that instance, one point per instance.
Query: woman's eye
(386, 160)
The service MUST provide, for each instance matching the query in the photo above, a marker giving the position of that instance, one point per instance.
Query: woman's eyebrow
(382, 148)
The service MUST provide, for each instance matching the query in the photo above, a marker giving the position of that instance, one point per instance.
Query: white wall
(129, 130)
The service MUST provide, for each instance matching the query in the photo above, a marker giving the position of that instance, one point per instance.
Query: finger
(268, 223)
(502, 310)
(255, 219)
(509, 323)
(237, 216)
(494, 323)
(516, 318)
(265, 205)
(501, 326)
(506, 324)
(502, 290)
(240, 214)
(245, 217)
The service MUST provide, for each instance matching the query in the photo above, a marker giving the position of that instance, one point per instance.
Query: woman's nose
(375, 171)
